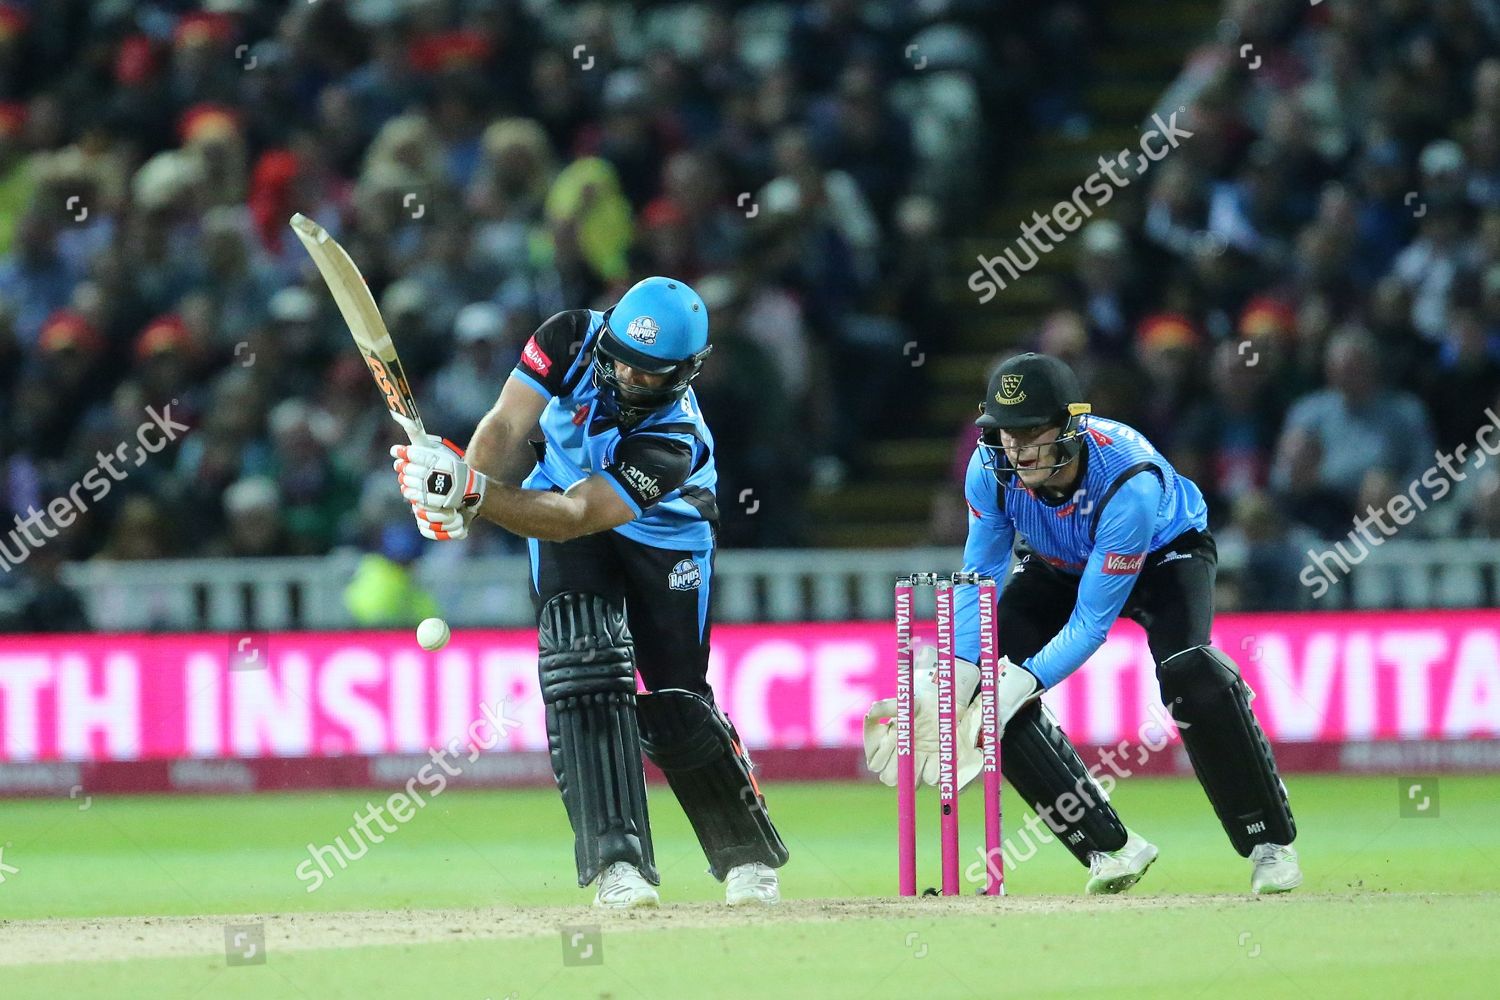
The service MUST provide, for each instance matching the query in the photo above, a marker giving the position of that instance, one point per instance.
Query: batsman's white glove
(442, 525)
(444, 492)
(880, 724)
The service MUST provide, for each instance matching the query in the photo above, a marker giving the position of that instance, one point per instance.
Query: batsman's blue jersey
(1128, 501)
(662, 466)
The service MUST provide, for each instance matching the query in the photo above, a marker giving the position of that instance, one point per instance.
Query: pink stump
(906, 776)
(947, 737)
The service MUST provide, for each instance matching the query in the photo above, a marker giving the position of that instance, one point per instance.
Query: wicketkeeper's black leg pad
(698, 750)
(587, 662)
(1042, 764)
(1202, 690)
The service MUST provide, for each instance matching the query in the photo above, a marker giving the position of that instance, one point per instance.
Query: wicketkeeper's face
(1032, 452)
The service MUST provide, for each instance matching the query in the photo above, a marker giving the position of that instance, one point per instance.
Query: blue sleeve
(528, 380)
(987, 551)
(1120, 546)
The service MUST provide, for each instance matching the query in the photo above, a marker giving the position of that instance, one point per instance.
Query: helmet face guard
(631, 403)
(1068, 444)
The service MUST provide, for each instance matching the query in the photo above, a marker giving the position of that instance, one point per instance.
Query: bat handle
(415, 432)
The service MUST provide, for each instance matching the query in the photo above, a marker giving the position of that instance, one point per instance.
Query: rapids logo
(646, 485)
(643, 329)
(685, 576)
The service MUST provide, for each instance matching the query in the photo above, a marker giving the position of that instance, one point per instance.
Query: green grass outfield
(1392, 906)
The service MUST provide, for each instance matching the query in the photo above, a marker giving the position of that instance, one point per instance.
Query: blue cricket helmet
(660, 327)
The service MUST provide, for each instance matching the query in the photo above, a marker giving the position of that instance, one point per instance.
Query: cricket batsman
(1108, 528)
(618, 505)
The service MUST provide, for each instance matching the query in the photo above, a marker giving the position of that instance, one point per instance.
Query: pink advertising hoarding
(1326, 678)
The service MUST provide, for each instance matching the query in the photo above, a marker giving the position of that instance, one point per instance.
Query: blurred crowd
(1301, 304)
(486, 163)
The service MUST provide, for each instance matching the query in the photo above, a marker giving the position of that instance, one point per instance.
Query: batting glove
(442, 525)
(434, 476)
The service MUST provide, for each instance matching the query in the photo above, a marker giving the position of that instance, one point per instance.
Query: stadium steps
(979, 333)
(911, 458)
(847, 534)
(890, 503)
(1123, 100)
(865, 502)
(1055, 157)
(1145, 64)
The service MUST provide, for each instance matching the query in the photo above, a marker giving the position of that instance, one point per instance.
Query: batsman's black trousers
(665, 592)
(1173, 599)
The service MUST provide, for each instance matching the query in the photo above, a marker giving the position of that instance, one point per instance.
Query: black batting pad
(697, 749)
(1041, 763)
(588, 684)
(1202, 689)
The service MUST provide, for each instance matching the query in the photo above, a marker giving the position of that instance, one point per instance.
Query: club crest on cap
(1010, 390)
(643, 329)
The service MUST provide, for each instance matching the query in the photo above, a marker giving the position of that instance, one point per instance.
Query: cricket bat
(360, 313)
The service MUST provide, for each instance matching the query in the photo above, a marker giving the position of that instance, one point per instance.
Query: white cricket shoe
(752, 884)
(622, 886)
(1275, 868)
(1115, 871)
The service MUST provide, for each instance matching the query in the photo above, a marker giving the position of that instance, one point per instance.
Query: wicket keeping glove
(880, 724)
(445, 493)
(1016, 688)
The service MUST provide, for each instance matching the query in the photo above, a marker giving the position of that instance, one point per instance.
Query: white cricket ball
(433, 634)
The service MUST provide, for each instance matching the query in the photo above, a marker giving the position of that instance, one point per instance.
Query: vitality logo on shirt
(685, 576)
(536, 359)
(1123, 564)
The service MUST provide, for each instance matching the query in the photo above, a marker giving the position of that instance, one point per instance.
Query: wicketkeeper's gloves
(1015, 689)
(880, 724)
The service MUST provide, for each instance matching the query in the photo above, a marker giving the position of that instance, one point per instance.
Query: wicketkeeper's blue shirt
(1129, 501)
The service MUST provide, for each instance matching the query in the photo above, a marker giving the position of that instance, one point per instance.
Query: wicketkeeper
(618, 504)
(1107, 528)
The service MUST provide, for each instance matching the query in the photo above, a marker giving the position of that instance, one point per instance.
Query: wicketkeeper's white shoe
(622, 886)
(1275, 868)
(754, 883)
(1116, 871)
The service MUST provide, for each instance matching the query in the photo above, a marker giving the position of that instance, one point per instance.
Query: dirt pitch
(101, 939)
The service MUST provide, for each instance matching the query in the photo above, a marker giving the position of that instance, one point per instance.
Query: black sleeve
(549, 353)
(649, 466)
